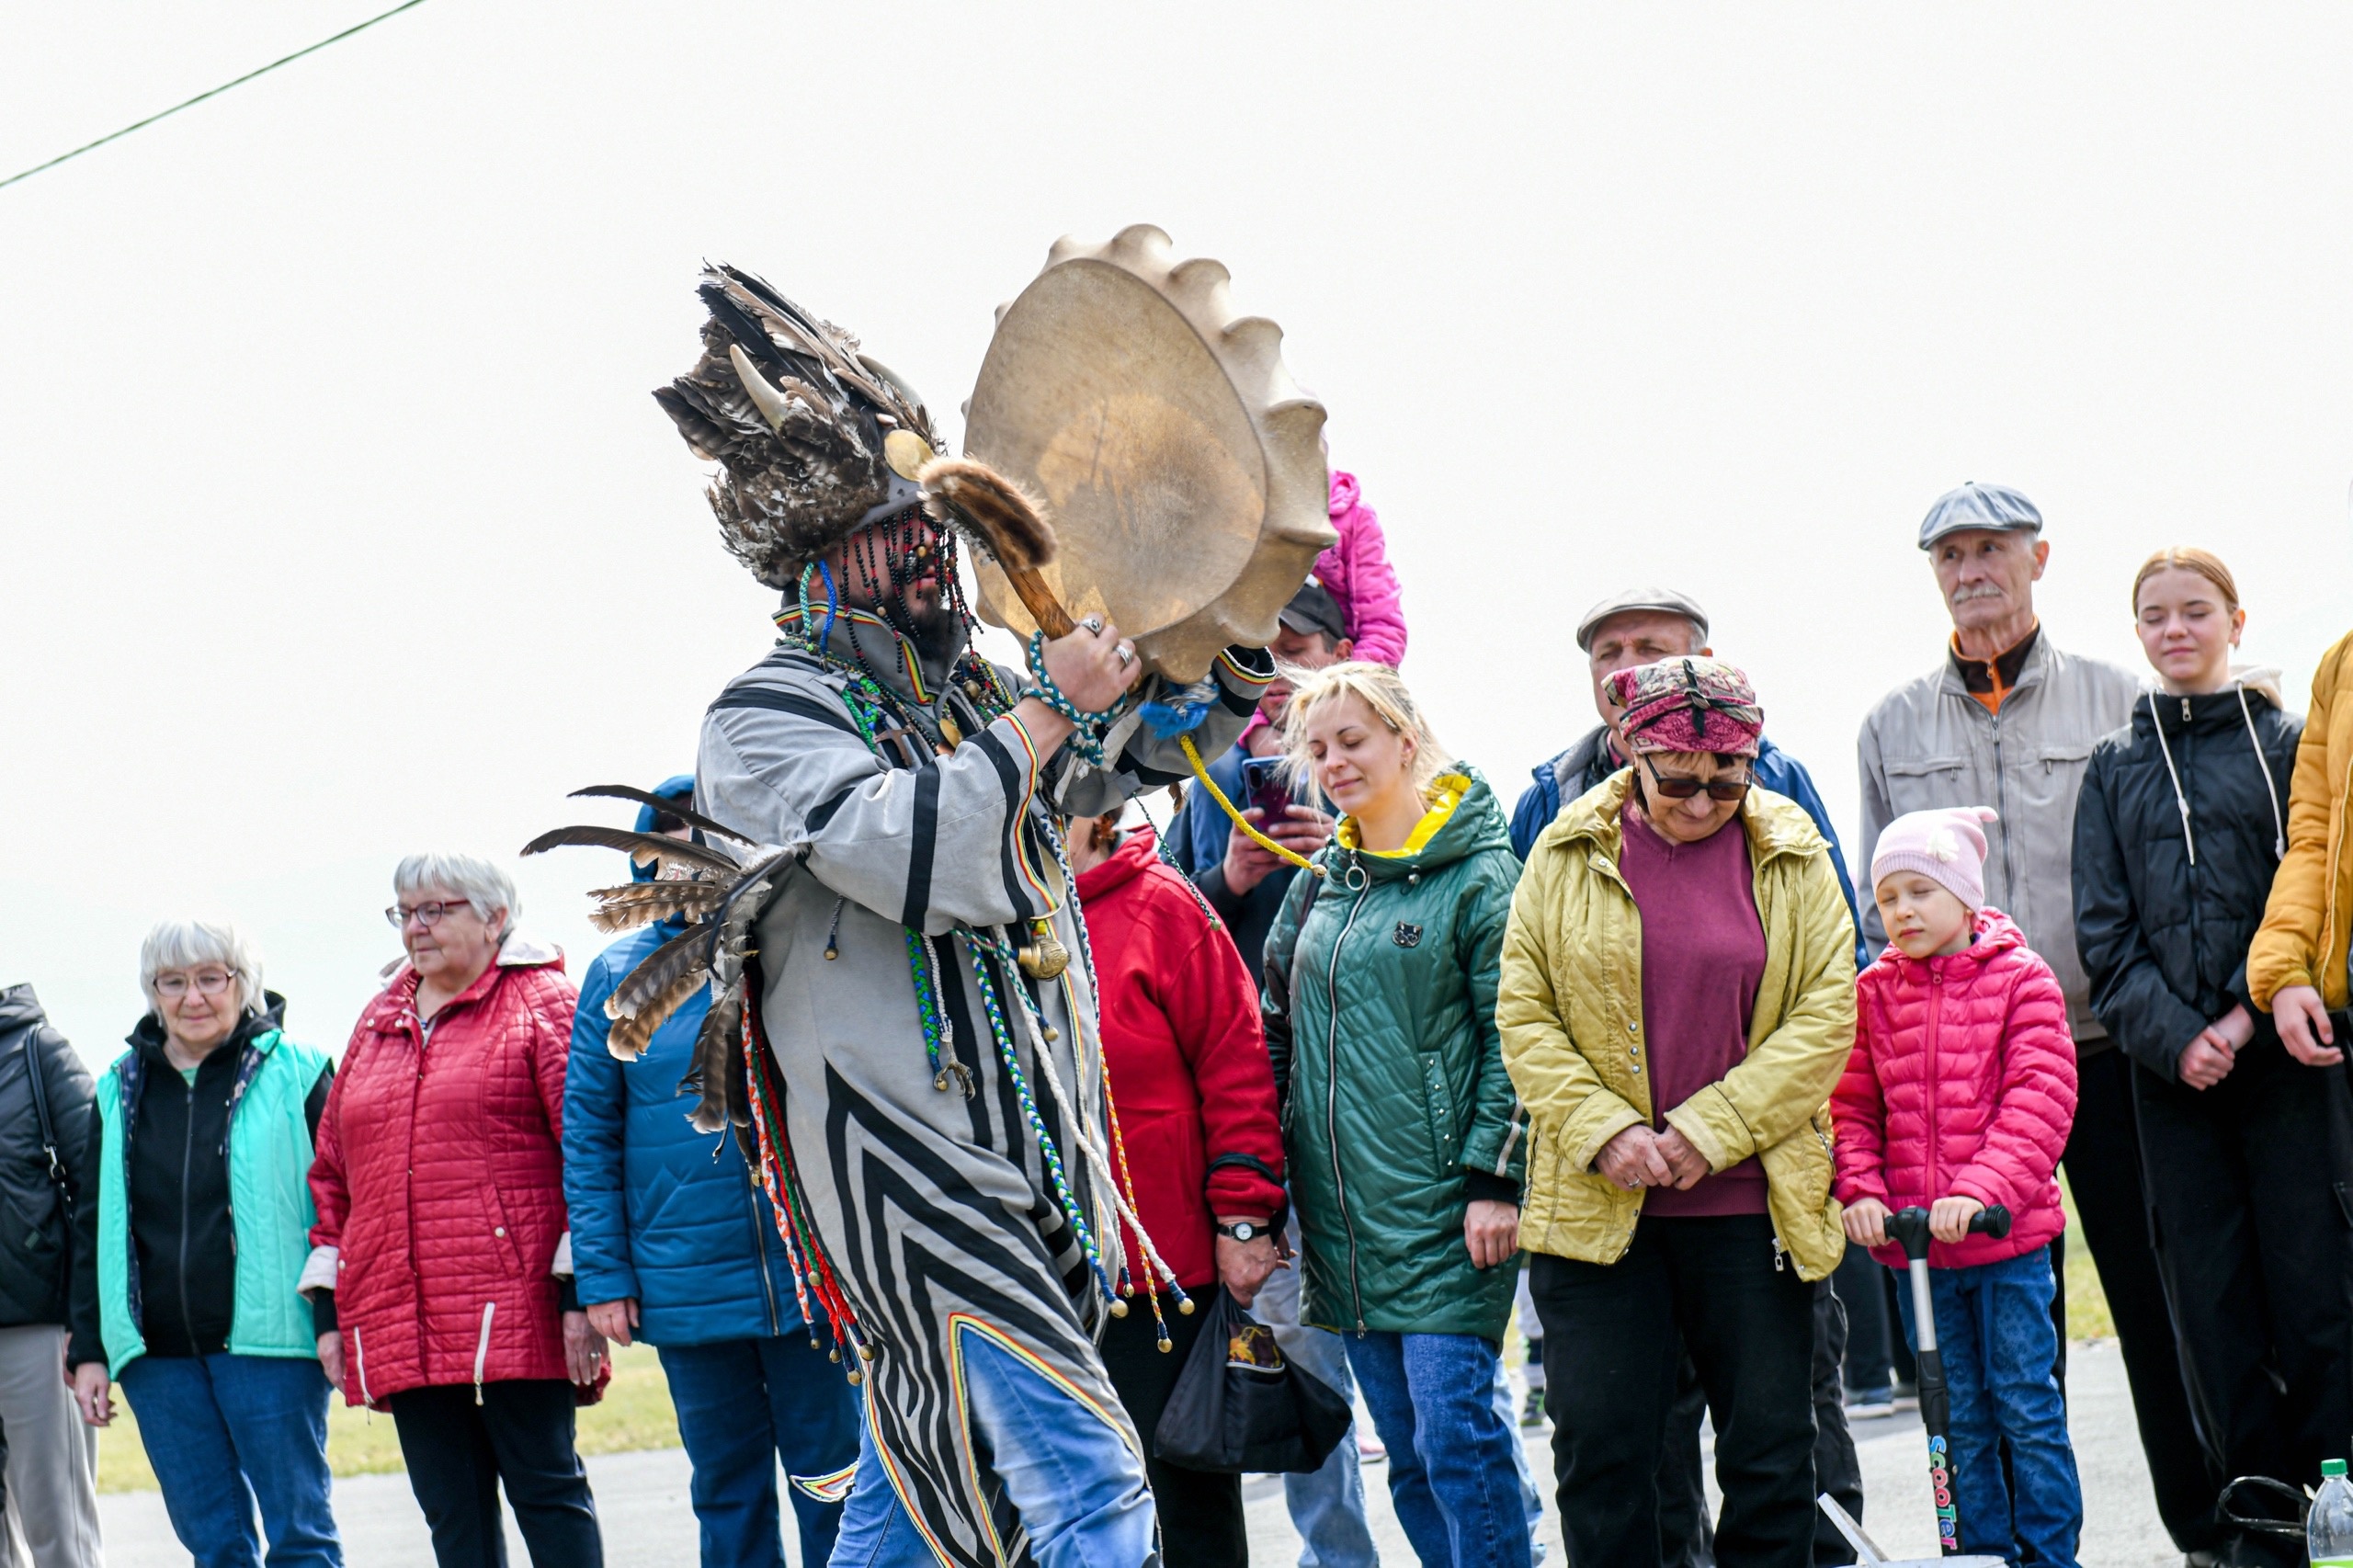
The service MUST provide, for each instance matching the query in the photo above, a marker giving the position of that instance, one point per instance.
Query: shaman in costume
(922, 1074)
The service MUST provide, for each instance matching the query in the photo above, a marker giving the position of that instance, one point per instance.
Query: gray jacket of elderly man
(1930, 743)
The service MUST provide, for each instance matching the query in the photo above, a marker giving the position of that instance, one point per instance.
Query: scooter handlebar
(1909, 1227)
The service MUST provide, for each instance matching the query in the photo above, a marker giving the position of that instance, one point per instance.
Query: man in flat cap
(2008, 720)
(1642, 625)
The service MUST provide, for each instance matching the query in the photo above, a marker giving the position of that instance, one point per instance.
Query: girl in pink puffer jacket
(1357, 574)
(1958, 1097)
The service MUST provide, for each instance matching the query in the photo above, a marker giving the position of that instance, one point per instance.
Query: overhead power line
(216, 92)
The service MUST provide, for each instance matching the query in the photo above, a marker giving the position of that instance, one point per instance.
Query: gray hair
(479, 882)
(184, 944)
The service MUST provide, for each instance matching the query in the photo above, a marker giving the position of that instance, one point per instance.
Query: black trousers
(1200, 1514)
(1838, 1468)
(1614, 1337)
(458, 1452)
(2252, 1246)
(2103, 1166)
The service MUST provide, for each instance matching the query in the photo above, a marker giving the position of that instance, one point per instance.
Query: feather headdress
(813, 438)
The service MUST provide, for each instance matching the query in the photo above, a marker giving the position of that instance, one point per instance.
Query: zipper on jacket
(1928, 1082)
(1331, 1085)
(187, 1163)
(2002, 808)
(760, 1241)
(359, 1366)
(481, 1348)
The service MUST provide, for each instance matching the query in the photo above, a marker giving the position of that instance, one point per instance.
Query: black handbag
(39, 1087)
(1240, 1406)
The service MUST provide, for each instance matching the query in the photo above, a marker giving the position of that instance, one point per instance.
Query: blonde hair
(1383, 693)
(2189, 558)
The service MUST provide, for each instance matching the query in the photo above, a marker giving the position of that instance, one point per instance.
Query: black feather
(685, 814)
(642, 847)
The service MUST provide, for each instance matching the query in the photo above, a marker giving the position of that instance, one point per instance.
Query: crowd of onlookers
(1637, 1063)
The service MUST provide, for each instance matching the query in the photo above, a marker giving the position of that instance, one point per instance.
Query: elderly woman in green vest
(189, 1253)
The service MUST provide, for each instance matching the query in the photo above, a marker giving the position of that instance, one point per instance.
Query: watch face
(1242, 1231)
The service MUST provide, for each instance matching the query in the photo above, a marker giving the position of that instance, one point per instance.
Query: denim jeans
(226, 1432)
(1076, 1484)
(744, 1406)
(1531, 1502)
(1433, 1401)
(1994, 1335)
(1328, 1504)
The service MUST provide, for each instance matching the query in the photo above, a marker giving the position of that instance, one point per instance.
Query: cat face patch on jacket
(1407, 935)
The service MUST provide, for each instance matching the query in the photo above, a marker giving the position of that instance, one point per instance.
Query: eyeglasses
(205, 982)
(1676, 786)
(426, 913)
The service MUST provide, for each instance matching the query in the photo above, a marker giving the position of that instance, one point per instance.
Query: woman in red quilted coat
(1186, 1059)
(441, 1231)
(1958, 1099)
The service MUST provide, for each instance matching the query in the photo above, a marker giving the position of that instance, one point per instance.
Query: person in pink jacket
(1357, 574)
(1958, 1099)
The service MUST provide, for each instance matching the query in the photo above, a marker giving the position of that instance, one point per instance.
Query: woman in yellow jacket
(2296, 968)
(1678, 1000)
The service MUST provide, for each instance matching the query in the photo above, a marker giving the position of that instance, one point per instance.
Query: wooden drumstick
(1008, 523)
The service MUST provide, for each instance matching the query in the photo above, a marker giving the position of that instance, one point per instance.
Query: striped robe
(936, 1208)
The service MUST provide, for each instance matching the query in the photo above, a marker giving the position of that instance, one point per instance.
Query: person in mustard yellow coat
(1677, 1003)
(2296, 968)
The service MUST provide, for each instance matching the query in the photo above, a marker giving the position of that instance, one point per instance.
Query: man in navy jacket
(673, 1241)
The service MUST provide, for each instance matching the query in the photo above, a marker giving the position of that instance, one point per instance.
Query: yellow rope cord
(1193, 755)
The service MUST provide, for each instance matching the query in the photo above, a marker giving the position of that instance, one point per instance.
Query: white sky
(335, 520)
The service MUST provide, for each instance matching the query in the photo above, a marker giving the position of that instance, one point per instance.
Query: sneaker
(1531, 1409)
(1867, 1404)
(1907, 1396)
(1369, 1449)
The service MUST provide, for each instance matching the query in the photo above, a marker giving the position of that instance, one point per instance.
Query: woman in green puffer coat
(1402, 1132)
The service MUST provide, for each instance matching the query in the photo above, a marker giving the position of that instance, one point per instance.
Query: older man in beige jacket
(2008, 720)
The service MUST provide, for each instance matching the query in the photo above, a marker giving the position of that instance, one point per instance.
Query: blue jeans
(1531, 1502)
(225, 1432)
(1433, 1401)
(744, 1406)
(1994, 1335)
(1076, 1484)
(1327, 1504)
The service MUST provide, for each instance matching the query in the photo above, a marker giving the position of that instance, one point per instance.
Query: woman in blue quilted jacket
(673, 1242)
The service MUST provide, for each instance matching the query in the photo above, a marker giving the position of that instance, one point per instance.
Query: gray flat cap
(1661, 601)
(1975, 505)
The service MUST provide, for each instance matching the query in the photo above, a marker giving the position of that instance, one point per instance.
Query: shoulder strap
(36, 1081)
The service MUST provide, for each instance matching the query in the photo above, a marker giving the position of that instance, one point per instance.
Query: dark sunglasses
(1723, 791)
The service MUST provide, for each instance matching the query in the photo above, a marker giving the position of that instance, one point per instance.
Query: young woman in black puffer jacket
(2180, 825)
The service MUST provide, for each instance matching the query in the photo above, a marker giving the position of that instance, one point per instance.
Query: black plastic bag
(1239, 1405)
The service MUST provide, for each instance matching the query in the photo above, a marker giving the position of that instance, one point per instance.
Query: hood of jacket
(679, 787)
(20, 1008)
(1345, 493)
(1991, 934)
(1139, 848)
(1463, 819)
(147, 1035)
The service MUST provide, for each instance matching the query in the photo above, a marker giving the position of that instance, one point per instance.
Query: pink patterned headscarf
(1688, 704)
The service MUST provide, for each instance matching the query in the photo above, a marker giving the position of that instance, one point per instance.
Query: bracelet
(1088, 727)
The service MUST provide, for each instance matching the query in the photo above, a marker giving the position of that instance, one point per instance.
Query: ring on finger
(1127, 651)
(1094, 623)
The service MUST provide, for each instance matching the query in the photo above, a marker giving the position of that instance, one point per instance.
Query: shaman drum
(1180, 466)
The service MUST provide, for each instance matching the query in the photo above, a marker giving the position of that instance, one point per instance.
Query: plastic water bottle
(2328, 1528)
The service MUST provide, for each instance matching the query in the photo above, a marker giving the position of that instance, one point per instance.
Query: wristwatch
(1243, 1230)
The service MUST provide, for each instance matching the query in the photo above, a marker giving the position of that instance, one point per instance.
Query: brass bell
(1045, 957)
(1119, 1308)
(1186, 1306)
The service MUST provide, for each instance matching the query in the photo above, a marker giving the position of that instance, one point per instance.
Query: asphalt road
(648, 1524)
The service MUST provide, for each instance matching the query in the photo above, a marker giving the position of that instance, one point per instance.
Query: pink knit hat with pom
(1946, 846)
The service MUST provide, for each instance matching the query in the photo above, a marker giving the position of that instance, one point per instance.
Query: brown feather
(680, 809)
(626, 907)
(1008, 523)
(629, 1035)
(656, 976)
